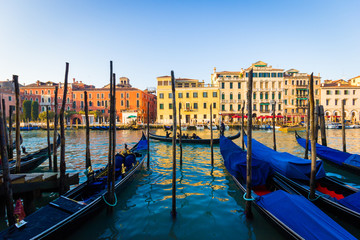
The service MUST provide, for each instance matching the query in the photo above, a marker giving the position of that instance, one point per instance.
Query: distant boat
(199, 127)
(183, 128)
(214, 127)
(333, 125)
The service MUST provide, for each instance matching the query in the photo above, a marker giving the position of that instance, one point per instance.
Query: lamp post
(273, 122)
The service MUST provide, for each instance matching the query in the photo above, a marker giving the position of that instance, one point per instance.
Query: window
(122, 102)
(292, 92)
(10, 98)
(273, 96)
(316, 82)
(195, 94)
(36, 92)
(223, 107)
(279, 107)
(161, 95)
(102, 95)
(195, 106)
(231, 96)
(261, 95)
(354, 92)
(273, 74)
(292, 101)
(223, 96)
(68, 100)
(239, 85)
(170, 95)
(195, 116)
(98, 103)
(239, 96)
(187, 95)
(205, 94)
(336, 102)
(42, 92)
(317, 102)
(137, 103)
(137, 95)
(187, 106)
(49, 99)
(127, 104)
(204, 105)
(81, 96)
(254, 95)
(170, 116)
(279, 96)
(161, 116)
(170, 106)
(327, 102)
(122, 95)
(316, 91)
(214, 105)
(337, 92)
(346, 92)
(254, 107)
(90, 96)
(97, 95)
(127, 95)
(222, 85)
(90, 104)
(231, 85)
(102, 103)
(204, 116)
(280, 74)
(214, 94)
(49, 92)
(354, 101)
(266, 96)
(82, 104)
(231, 107)
(286, 92)
(285, 102)
(35, 99)
(239, 107)
(180, 95)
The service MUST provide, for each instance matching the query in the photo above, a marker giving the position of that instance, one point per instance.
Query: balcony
(264, 111)
(301, 106)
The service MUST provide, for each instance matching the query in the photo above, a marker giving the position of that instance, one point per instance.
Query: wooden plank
(34, 178)
(50, 176)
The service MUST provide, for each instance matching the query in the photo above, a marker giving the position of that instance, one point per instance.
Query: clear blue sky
(147, 39)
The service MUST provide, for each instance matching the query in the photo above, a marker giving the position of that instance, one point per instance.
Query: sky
(148, 39)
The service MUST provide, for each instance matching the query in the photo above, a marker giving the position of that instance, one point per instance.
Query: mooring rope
(111, 205)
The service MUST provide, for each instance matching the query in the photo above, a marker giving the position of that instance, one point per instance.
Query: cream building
(194, 96)
(333, 92)
(268, 87)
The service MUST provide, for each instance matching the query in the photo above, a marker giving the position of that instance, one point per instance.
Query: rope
(311, 200)
(248, 199)
(111, 205)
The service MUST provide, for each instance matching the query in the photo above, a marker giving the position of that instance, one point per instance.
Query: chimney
(214, 69)
(38, 83)
(80, 81)
(73, 80)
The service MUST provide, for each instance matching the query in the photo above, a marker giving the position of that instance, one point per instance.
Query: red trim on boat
(329, 192)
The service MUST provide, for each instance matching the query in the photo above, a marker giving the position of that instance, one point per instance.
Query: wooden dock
(29, 186)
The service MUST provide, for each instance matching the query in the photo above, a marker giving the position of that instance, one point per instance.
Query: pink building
(9, 98)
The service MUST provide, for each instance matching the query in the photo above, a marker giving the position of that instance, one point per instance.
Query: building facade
(194, 96)
(7, 93)
(333, 92)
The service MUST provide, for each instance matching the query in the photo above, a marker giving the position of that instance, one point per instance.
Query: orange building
(129, 101)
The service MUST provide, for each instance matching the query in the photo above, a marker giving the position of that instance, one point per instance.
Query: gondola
(33, 160)
(188, 140)
(14, 142)
(347, 161)
(168, 128)
(291, 213)
(66, 213)
(331, 195)
(29, 128)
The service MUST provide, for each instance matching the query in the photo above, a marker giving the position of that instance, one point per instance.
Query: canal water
(209, 205)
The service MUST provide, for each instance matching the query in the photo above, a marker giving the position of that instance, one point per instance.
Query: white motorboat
(199, 127)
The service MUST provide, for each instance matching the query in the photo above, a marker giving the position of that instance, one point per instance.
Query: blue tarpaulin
(352, 201)
(235, 162)
(288, 165)
(302, 216)
(327, 153)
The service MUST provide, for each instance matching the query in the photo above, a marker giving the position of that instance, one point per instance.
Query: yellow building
(194, 96)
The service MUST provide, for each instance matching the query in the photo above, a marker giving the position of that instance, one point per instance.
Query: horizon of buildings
(226, 92)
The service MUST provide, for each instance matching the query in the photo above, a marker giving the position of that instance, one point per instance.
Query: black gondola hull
(193, 141)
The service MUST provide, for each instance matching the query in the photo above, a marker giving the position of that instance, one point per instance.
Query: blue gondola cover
(285, 163)
(302, 216)
(353, 160)
(352, 201)
(330, 154)
(142, 145)
(235, 162)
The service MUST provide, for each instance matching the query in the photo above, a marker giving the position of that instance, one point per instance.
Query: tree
(27, 110)
(42, 116)
(97, 114)
(34, 110)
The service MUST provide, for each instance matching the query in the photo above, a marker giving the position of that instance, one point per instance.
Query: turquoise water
(209, 205)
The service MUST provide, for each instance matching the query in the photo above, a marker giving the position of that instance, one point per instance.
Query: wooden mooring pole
(62, 187)
(7, 142)
(307, 131)
(87, 140)
(6, 175)
(343, 124)
(312, 141)
(55, 130)
(11, 150)
(180, 144)
(113, 123)
(148, 135)
(322, 125)
(17, 122)
(242, 126)
(211, 138)
(273, 123)
(173, 208)
(316, 122)
(110, 195)
(48, 137)
(248, 211)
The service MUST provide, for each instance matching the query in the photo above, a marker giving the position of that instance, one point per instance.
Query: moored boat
(278, 206)
(64, 214)
(190, 140)
(347, 161)
(331, 195)
(199, 127)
